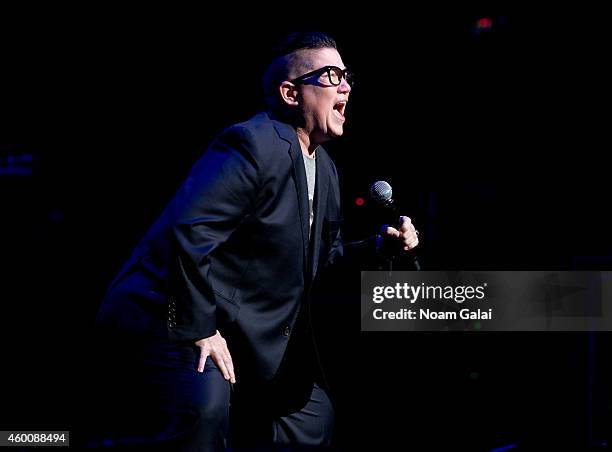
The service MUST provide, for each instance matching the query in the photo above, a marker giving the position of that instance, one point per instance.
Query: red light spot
(484, 23)
(359, 201)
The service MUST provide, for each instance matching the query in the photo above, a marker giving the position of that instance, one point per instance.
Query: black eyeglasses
(334, 75)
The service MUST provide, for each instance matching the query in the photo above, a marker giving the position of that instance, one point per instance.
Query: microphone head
(381, 193)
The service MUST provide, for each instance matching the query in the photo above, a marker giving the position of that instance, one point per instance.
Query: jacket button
(287, 331)
(171, 324)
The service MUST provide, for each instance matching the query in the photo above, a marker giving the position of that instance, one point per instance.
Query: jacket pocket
(227, 299)
(227, 309)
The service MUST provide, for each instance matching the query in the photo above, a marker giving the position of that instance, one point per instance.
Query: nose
(344, 86)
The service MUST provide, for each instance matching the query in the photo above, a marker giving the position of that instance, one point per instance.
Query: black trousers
(154, 399)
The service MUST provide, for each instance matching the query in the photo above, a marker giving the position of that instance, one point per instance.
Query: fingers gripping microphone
(382, 195)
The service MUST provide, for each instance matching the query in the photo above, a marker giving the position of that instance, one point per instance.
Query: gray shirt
(310, 165)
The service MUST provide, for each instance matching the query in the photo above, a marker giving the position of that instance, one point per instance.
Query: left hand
(406, 234)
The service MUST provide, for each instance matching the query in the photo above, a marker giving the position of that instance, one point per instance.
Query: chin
(336, 132)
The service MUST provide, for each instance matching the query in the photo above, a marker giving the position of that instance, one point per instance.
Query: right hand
(216, 347)
(406, 233)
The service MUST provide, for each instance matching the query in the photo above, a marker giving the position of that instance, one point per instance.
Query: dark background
(493, 140)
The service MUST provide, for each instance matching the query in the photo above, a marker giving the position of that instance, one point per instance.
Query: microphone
(382, 195)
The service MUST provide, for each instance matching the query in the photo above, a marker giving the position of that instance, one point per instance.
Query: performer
(213, 305)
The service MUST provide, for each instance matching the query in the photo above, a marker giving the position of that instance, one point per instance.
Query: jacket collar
(288, 134)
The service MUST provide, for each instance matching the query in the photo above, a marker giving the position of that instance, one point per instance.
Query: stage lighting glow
(484, 23)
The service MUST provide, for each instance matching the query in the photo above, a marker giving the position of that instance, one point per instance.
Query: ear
(289, 93)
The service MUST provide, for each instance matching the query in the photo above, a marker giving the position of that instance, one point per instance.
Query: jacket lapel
(320, 204)
(299, 177)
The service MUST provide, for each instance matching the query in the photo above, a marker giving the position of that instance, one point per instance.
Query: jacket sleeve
(352, 255)
(348, 255)
(218, 193)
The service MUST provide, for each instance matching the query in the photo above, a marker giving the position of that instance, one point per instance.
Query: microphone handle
(393, 217)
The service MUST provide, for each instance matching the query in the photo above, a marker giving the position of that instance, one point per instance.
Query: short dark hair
(280, 60)
(303, 40)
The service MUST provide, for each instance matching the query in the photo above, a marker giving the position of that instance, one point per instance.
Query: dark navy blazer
(232, 249)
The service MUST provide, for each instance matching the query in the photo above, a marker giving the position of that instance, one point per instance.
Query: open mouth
(340, 107)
